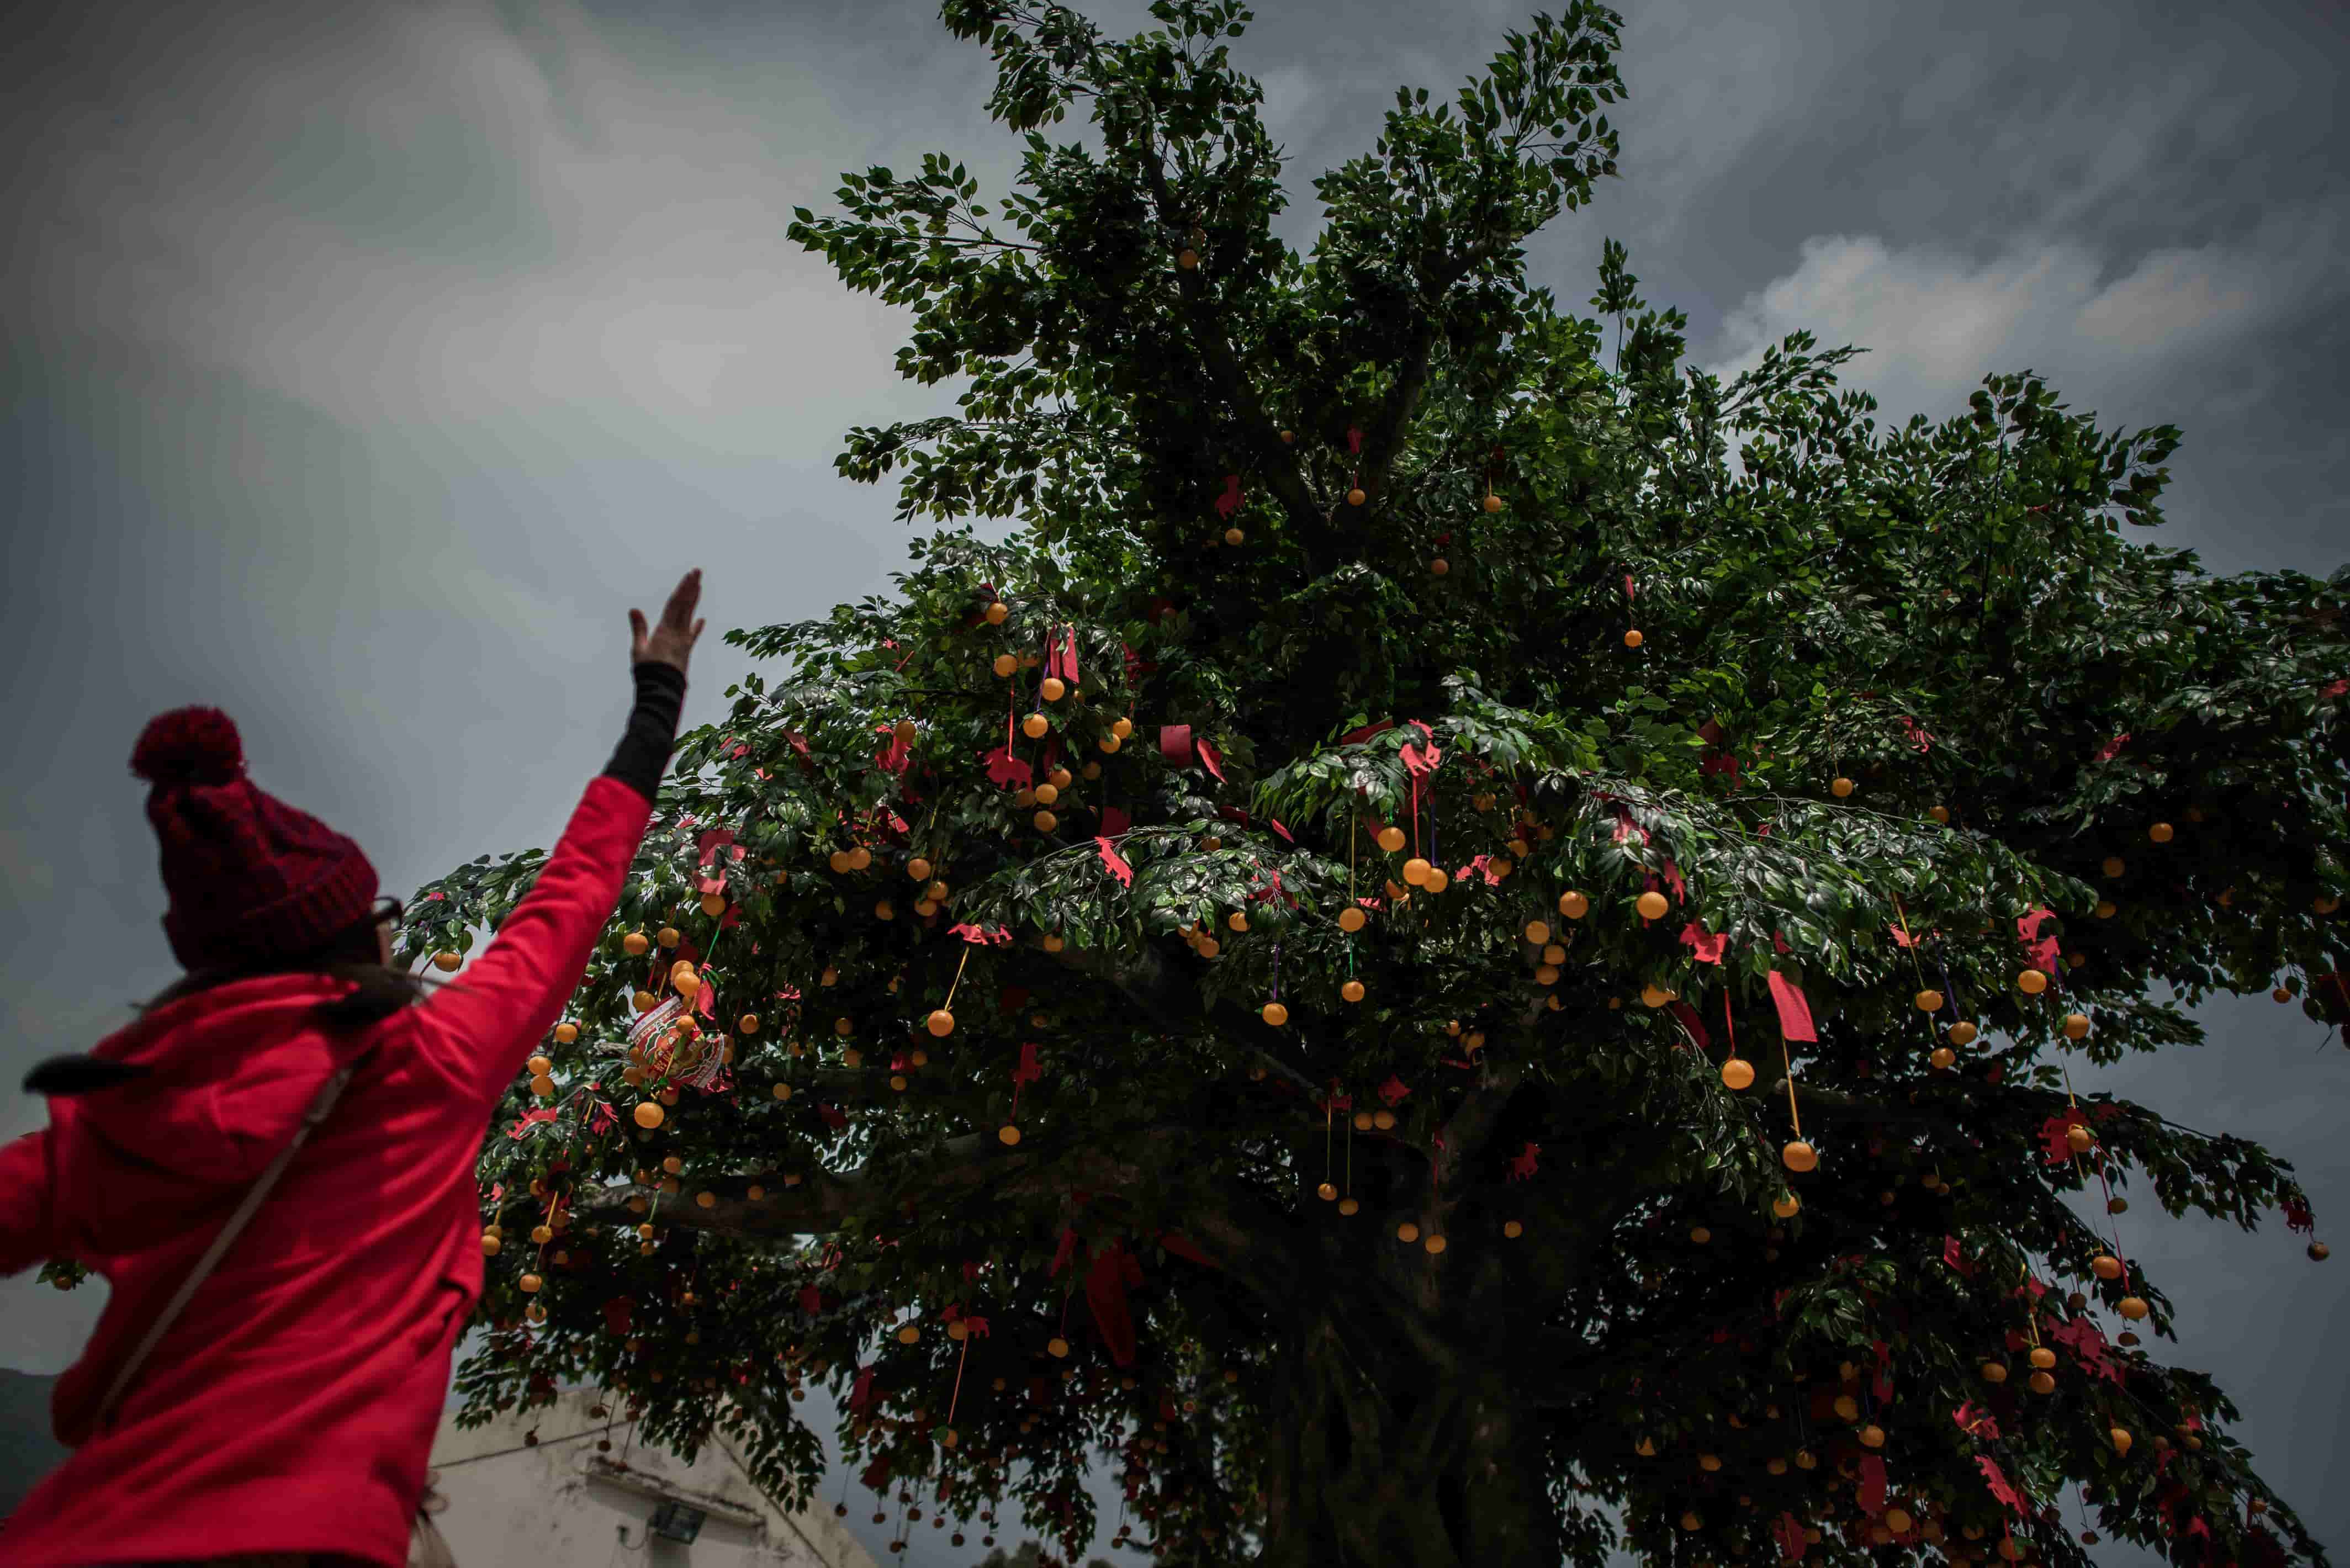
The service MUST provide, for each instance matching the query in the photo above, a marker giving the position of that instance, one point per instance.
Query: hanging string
(1786, 1060)
(1908, 941)
(2112, 1222)
(957, 1392)
(1933, 1033)
(948, 1005)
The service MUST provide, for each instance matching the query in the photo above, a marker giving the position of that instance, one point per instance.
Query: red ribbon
(1794, 1013)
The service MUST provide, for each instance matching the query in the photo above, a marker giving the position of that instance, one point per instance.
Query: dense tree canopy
(1465, 945)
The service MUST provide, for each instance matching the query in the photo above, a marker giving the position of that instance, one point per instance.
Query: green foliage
(1948, 617)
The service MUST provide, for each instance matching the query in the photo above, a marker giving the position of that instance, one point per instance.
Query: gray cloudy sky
(367, 361)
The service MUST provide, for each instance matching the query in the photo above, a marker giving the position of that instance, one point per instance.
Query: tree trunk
(1429, 1468)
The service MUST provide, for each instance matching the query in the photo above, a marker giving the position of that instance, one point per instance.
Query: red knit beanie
(250, 876)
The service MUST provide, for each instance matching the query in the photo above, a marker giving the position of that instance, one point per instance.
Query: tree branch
(1466, 1134)
(1144, 977)
(1832, 1103)
(1383, 443)
(1279, 461)
(821, 1203)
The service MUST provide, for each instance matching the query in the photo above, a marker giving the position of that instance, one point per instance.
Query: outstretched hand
(670, 643)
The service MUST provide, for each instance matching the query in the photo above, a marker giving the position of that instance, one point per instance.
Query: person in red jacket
(286, 1413)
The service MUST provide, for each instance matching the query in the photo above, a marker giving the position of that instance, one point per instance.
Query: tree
(1526, 975)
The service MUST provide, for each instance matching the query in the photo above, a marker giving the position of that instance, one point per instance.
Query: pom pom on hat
(250, 876)
(189, 746)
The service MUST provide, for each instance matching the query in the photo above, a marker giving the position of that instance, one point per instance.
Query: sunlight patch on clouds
(1936, 322)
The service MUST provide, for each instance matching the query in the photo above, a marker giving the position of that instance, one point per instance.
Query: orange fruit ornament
(1800, 1157)
(1651, 906)
(941, 1022)
(1737, 1073)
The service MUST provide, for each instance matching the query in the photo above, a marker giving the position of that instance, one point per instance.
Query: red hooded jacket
(292, 1407)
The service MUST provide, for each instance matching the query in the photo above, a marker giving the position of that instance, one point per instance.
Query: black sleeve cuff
(642, 756)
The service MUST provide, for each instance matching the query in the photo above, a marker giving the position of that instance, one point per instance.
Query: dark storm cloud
(368, 361)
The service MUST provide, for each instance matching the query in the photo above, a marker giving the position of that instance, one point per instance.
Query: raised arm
(481, 1028)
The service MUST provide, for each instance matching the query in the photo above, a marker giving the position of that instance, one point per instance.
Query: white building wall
(561, 1504)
